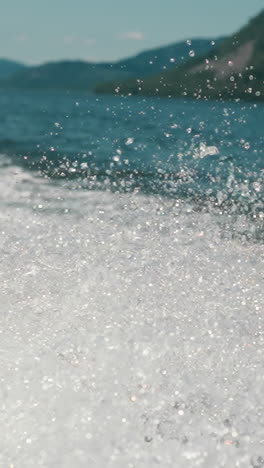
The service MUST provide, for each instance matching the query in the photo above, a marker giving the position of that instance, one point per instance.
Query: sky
(37, 31)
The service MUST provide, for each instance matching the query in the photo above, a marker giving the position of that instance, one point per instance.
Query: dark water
(206, 152)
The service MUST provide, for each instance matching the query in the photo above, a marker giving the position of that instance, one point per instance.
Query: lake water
(131, 317)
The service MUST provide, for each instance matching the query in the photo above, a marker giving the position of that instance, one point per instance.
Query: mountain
(233, 70)
(85, 75)
(9, 67)
(64, 75)
(164, 58)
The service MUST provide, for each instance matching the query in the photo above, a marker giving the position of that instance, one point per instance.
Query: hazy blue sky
(40, 30)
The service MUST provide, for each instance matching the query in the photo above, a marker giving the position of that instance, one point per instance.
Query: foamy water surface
(131, 332)
(131, 317)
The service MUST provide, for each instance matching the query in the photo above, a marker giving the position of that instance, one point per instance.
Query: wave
(237, 207)
(214, 177)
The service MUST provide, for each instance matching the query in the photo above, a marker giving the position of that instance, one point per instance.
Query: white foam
(131, 333)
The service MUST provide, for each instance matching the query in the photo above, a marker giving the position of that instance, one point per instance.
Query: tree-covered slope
(233, 70)
(9, 67)
(84, 75)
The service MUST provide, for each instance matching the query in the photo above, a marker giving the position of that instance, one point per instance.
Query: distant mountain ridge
(166, 57)
(9, 67)
(233, 70)
(78, 74)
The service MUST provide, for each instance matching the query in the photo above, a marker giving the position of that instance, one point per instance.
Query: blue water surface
(171, 147)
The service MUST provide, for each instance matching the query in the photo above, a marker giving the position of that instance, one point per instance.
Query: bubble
(133, 398)
(172, 60)
(189, 42)
(191, 53)
(257, 186)
(129, 141)
(116, 158)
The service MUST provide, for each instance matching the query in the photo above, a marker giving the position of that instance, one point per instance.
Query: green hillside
(9, 67)
(64, 75)
(233, 70)
(164, 58)
(78, 74)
